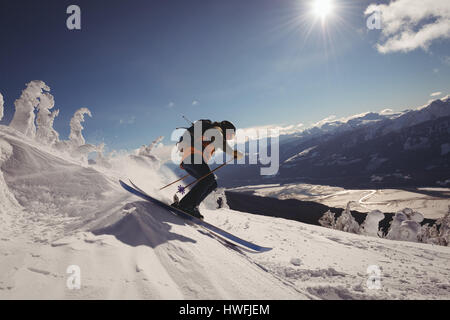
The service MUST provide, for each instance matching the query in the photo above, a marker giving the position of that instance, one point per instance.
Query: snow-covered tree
(346, 222)
(328, 220)
(83, 151)
(405, 226)
(410, 230)
(147, 150)
(394, 229)
(212, 200)
(444, 229)
(76, 137)
(76, 146)
(24, 117)
(429, 234)
(101, 159)
(36, 97)
(145, 154)
(45, 118)
(370, 226)
(1, 107)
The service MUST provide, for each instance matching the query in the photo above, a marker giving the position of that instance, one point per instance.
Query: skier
(197, 145)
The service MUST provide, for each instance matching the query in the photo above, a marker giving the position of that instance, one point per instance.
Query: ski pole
(181, 189)
(185, 118)
(182, 178)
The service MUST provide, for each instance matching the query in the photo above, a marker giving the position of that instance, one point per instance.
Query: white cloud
(130, 120)
(411, 24)
(171, 104)
(387, 111)
(195, 103)
(323, 121)
(268, 130)
(434, 94)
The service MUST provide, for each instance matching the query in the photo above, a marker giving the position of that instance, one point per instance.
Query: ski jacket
(205, 144)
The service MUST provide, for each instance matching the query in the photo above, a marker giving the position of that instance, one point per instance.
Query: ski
(227, 243)
(140, 193)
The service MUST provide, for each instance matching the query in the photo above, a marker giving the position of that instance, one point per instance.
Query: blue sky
(139, 64)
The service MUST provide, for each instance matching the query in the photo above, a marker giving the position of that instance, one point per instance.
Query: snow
(76, 137)
(434, 109)
(60, 215)
(385, 200)
(24, 116)
(334, 264)
(36, 98)
(8, 202)
(405, 226)
(346, 222)
(45, 132)
(151, 255)
(300, 155)
(148, 150)
(58, 212)
(371, 224)
(381, 123)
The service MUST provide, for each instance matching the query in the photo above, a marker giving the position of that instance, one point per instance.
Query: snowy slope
(50, 204)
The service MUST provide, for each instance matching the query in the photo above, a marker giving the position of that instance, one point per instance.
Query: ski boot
(195, 212)
(191, 211)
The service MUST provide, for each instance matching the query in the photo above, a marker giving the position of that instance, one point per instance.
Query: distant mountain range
(387, 149)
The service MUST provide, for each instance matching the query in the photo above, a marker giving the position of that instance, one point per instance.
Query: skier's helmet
(228, 128)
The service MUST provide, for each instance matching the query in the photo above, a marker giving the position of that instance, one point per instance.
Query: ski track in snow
(362, 201)
(56, 213)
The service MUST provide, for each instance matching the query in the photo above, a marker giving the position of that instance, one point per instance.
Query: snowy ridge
(374, 123)
(388, 121)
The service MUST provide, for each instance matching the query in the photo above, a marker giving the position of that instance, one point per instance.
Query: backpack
(205, 123)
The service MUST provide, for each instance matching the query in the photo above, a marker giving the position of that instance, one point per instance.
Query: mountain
(409, 148)
(59, 215)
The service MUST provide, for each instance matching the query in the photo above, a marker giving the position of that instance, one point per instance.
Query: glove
(237, 155)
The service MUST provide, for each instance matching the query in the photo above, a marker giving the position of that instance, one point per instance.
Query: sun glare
(322, 8)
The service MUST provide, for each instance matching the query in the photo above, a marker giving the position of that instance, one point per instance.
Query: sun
(322, 8)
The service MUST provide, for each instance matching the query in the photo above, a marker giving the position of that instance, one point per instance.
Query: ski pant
(202, 188)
